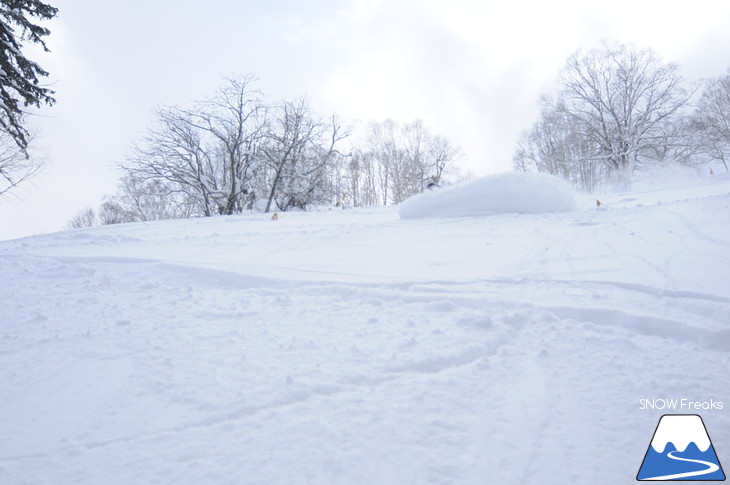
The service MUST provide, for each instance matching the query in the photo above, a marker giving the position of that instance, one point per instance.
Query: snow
(512, 192)
(664, 176)
(681, 430)
(359, 346)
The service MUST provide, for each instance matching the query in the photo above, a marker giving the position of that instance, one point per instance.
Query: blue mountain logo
(681, 450)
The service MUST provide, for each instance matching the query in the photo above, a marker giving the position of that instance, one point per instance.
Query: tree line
(231, 152)
(235, 151)
(620, 109)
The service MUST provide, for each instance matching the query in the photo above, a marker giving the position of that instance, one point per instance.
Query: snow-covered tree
(712, 119)
(139, 199)
(359, 179)
(234, 151)
(111, 212)
(20, 84)
(16, 164)
(173, 158)
(551, 146)
(617, 108)
(300, 153)
(403, 159)
(233, 123)
(209, 153)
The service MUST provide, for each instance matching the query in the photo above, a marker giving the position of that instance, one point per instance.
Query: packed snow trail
(354, 347)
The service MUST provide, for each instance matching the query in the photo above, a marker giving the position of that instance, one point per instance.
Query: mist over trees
(618, 110)
(711, 120)
(235, 151)
(396, 161)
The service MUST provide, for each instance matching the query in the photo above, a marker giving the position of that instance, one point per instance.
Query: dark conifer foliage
(20, 84)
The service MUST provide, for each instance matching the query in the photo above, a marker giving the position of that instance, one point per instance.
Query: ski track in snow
(351, 347)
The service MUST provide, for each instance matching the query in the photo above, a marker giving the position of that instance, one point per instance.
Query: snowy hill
(356, 347)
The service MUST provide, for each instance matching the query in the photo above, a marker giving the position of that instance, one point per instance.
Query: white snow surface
(355, 347)
(511, 192)
(681, 430)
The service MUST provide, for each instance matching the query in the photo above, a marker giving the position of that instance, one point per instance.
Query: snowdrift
(517, 193)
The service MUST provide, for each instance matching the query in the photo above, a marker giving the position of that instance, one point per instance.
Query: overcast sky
(472, 70)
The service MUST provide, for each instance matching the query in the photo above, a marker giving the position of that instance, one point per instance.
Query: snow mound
(511, 192)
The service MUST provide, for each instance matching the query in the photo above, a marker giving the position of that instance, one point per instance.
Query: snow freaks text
(681, 405)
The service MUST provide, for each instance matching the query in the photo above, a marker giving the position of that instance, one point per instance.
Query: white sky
(472, 70)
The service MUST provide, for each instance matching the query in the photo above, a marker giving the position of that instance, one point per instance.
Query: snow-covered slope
(351, 347)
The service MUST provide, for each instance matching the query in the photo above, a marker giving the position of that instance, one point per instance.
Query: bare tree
(233, 148)
(682, 143)
(235, 119)
(620, 98)
(173, 154)
(300, 153)
(712, 119)
(112, 212)
(208, 154)
(362, 182)
(551, 146)
(616, 109)
(84, 218)
(16, 164)
(406, 158)
(153, 200)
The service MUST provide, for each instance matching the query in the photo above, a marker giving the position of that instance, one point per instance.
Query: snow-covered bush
(512, 192)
